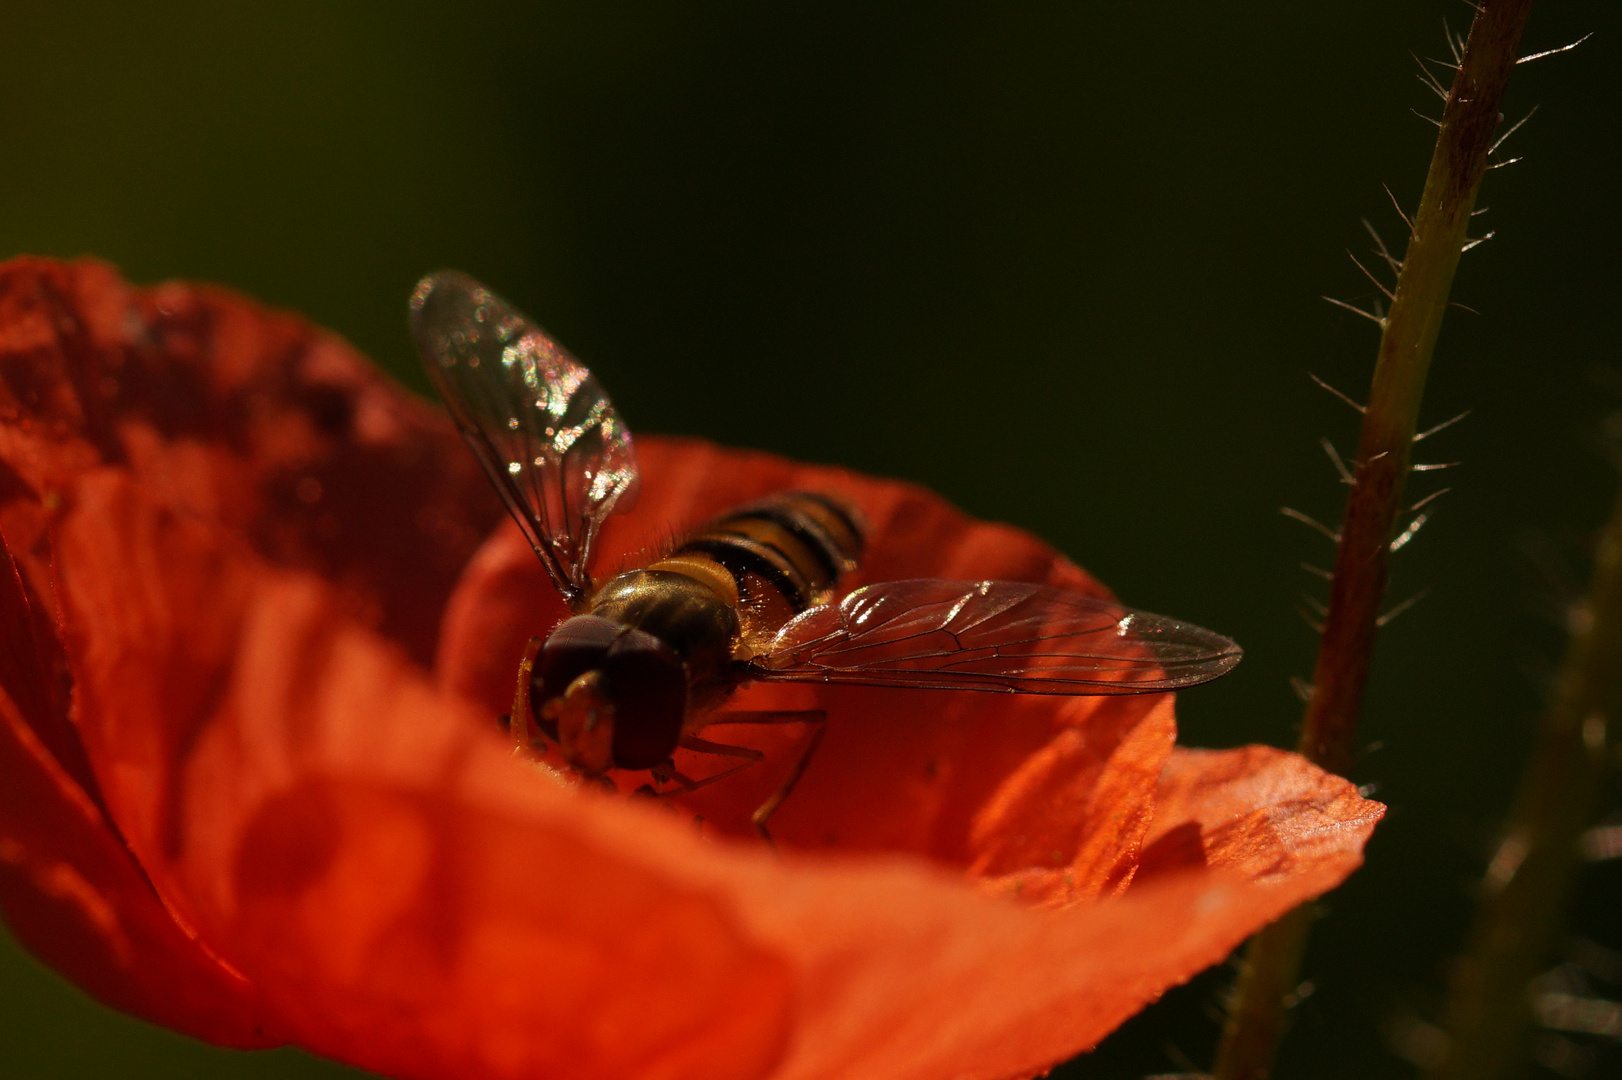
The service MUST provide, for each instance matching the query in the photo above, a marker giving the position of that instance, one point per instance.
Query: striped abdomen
(783, 553)
(769, 560)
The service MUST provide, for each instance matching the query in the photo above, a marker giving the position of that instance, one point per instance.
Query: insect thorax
(678, 609)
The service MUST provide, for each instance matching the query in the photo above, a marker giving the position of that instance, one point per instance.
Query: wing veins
(1022, 638)
(485, 453)
(538, 421)
(940, 630)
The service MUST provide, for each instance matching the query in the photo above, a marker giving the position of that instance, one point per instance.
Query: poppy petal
(404, 894)
(251, 417)
(1255, 810)
(407, 897)
(69, 888)
(242, 542)
(226, 409)
(73, 895)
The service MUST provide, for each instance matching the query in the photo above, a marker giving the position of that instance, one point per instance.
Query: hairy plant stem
(1528, 886)
(1407, 341)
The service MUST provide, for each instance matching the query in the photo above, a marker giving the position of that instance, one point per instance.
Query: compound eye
(647, 683)
(580, 645)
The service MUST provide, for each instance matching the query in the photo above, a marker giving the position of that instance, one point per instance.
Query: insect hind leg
(764, 812)
(816, 717)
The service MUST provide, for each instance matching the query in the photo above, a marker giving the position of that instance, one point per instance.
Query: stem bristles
(1368, 532)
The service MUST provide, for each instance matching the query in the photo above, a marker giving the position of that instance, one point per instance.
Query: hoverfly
(650, 656)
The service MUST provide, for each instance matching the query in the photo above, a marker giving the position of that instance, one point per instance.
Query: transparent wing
(1004, 636)
(536, 419)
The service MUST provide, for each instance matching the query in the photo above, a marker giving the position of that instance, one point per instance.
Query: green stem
(1528, 888)
(1407, 342)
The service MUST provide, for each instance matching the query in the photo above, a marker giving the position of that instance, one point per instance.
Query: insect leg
(764, 813)
(769, 716)
(518, 724)
(704, 746)
(750, 757)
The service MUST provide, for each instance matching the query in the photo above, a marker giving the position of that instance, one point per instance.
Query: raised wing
(536, 419)
(1004, 636)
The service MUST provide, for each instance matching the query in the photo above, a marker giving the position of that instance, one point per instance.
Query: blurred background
(1060, 262)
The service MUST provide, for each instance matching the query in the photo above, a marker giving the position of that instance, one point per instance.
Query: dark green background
(1059, 261)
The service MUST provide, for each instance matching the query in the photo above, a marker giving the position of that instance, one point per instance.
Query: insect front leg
(519, 724)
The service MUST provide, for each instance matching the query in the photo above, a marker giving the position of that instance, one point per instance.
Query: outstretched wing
(1004, 636)
(536, 419)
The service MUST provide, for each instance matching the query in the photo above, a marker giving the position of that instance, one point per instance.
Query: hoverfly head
(610, 695)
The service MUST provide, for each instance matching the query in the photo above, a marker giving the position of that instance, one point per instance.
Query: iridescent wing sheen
(537, 420)
(1006, 636)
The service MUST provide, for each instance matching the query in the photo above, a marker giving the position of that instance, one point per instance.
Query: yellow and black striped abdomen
(778, 556)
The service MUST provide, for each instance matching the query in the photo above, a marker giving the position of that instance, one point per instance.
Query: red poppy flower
(254, 790)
